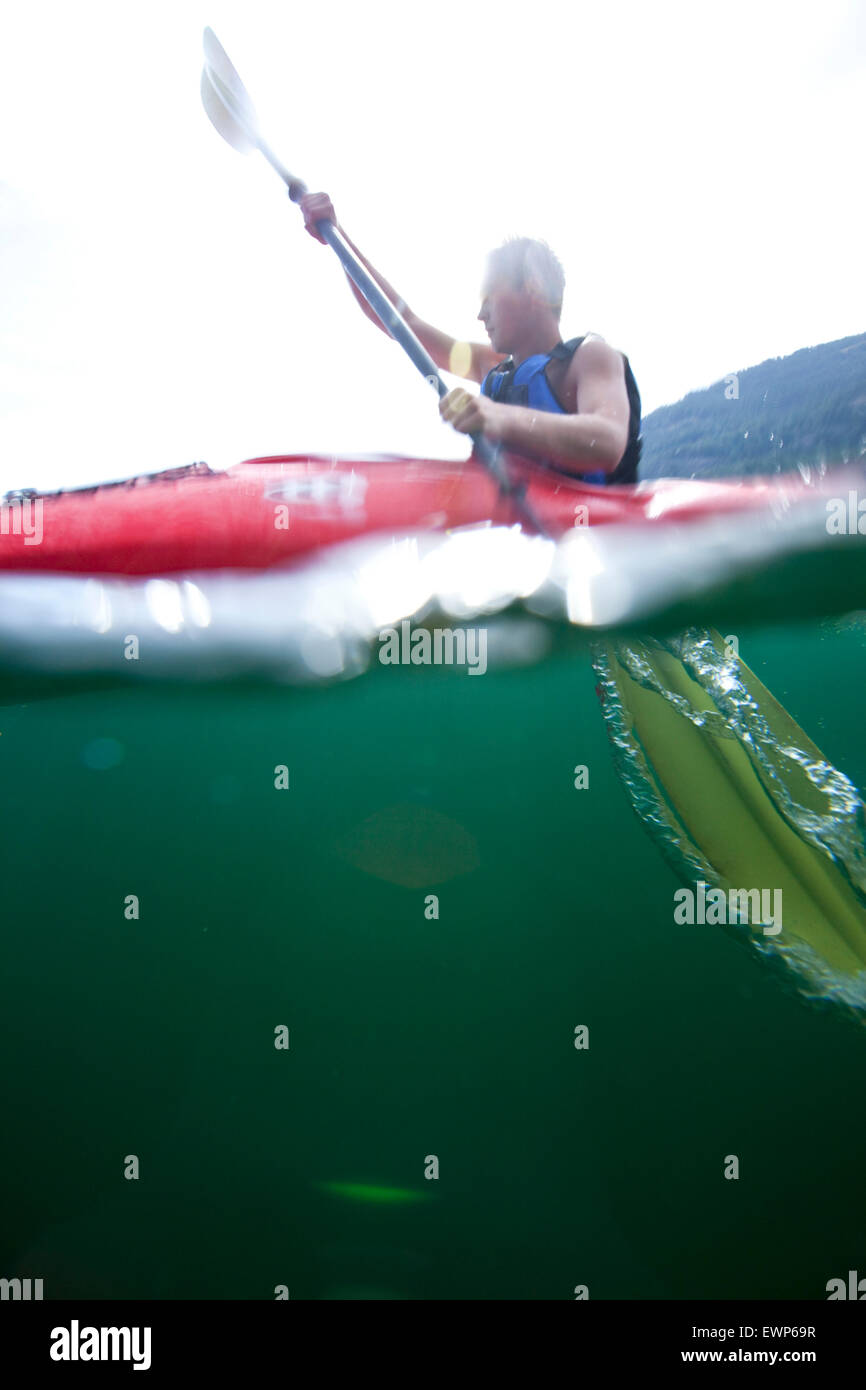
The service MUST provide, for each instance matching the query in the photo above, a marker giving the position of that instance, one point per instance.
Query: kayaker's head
(521, 297)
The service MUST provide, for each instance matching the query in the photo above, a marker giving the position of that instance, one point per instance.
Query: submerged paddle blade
(225, 98)
(742, 802)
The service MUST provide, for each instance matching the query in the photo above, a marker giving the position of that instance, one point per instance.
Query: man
(573, 407)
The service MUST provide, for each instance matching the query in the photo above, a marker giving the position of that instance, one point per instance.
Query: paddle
(233, 115)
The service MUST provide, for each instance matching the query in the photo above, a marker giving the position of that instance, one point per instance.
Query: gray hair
(523, 263)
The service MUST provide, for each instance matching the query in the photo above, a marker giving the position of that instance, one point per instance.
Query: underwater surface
(374, 987)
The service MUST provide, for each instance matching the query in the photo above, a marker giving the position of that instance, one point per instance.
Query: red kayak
(267, 511)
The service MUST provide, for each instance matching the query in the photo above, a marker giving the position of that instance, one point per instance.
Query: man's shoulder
(592, 354)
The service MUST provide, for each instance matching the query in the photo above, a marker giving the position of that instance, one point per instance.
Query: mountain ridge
(799, 411)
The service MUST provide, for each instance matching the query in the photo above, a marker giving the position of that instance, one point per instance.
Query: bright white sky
(697, 167)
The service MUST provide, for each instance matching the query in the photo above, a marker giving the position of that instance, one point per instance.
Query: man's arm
(591, 441)
(470, 360)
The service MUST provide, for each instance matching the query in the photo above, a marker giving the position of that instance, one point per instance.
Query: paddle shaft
(402, 333)
(417, 353)
(232, 101)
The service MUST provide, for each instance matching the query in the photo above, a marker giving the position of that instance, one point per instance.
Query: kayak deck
(267, 511)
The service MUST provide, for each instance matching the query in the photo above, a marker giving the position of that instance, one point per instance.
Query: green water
(409, 1037)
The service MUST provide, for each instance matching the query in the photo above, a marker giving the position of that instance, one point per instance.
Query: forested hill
(787, 411)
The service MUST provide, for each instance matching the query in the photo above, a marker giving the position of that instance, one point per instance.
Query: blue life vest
(528, 385)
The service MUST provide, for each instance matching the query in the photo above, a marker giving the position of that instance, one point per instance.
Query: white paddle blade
(222, 118)
(228, 105)
(226, 80)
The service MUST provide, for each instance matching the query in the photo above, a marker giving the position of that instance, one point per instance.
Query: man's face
(503, 312)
